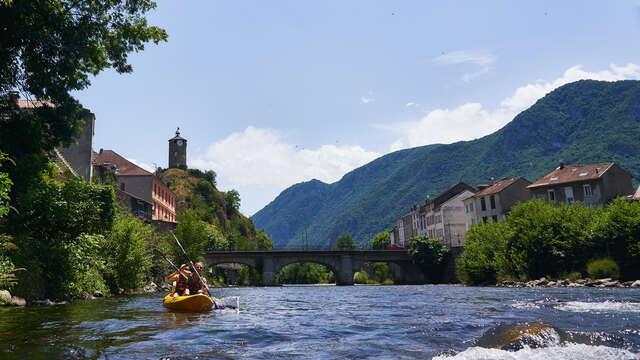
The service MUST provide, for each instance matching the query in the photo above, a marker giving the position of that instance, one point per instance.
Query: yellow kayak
(193, 303)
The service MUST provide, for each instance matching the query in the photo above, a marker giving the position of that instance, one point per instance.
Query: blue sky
(273, 93)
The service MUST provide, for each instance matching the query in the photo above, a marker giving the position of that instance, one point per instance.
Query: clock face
(179, 142)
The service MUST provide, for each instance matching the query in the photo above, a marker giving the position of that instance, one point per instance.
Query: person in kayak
(180, 281)
(195, 283)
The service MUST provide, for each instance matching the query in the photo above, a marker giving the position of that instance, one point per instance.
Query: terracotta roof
(32, 104)
(572, 173)
(124, 166)
(498, 186)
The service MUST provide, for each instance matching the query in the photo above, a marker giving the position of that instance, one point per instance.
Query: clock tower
(177, 151)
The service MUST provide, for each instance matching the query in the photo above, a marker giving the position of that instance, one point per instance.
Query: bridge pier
(345, 271)
(268, 272)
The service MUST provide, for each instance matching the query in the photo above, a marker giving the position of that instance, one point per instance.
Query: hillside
(582, 122)
(195, 190)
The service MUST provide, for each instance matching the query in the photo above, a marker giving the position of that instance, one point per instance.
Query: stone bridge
(344, 264)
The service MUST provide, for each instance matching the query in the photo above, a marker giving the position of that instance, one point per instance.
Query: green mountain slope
(583, 122)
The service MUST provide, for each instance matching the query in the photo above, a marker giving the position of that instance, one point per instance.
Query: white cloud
(366, 100)
(527, 95)
(473, 120)
(259, 158)
(409, 104)
(145, 166)
(470, 76)
(464, 56)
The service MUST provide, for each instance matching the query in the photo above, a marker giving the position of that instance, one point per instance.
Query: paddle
(193, 267)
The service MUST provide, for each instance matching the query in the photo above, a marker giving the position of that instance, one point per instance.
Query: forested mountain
(583, 122)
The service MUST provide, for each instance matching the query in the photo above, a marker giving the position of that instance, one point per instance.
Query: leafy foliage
(5, 187)
(193, 235)
(381, 241)
(60, 237)
(127, 252)
(603, 268)
(428, 253)
(562, 125)
(344, 242)
(484, 251)
(305, 273)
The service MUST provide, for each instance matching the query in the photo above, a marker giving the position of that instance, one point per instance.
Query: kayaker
(195, 283)
(180, 280)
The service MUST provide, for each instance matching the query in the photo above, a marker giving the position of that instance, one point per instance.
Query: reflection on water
(336, 322)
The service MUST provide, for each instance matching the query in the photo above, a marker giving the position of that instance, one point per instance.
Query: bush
(127, 252)
(361, 277)
(344, 242)
(483, 255)
(603, 268)
(574, 276)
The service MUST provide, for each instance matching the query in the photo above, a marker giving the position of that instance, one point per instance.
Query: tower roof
(178, 137)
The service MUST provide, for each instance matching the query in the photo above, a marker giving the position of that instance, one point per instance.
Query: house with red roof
(140, 183)
(593, 184)
(495, 200)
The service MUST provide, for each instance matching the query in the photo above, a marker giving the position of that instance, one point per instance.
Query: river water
(329, 322)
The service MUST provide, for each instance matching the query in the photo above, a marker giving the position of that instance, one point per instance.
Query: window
(470, 207)
(551, 195)
(493, 201)
(122, 186)
(484, 219)
(483, 204)
(495, 218)
(587, 191)
(568, 194)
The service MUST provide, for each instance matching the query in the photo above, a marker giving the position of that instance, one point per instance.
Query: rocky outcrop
(543, 282)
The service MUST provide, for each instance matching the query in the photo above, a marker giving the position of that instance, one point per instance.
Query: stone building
(177, 151)
(594, 184)
(77, 156)
(141, 184)
(494, 201)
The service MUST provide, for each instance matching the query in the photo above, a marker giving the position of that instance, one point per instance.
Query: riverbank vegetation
(542, 239)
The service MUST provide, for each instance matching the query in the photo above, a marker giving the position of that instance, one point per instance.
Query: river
(329, 322)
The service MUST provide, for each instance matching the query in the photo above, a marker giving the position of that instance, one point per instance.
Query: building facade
(593, 185)
(141, 184)
(495, 200)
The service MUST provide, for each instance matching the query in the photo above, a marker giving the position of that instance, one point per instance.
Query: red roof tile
(124, 166)
(497, 187)
(572, 173)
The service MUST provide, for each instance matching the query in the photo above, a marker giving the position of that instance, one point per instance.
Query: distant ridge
(583, 122)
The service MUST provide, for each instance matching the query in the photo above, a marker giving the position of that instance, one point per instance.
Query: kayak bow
(193, 303)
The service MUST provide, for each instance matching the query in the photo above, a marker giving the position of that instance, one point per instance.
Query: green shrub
(573, 276)
(381, 241)
(361, 277)
(483, 255)
(603, 268)
(127, 252)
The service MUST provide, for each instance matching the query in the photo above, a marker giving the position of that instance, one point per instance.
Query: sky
(270, 94)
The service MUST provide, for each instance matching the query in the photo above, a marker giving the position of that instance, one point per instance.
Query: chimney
(561, 164)
(13, 97)
(597, 169)
(101, 150)
(491, 181)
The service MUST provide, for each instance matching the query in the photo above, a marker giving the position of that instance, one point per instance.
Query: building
(177, 151)
(141, 184)
(594, 184)
(444, 217)
(636, 196)
(77, 156)
(494, 201)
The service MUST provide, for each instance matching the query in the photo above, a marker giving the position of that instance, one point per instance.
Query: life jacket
(194, 283)
(181, 284)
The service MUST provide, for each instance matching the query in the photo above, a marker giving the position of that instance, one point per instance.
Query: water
(327, 322)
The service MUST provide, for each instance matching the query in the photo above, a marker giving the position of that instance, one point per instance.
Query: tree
(345, 242)
(428, 253)
(483, 255)
(5, 187)
(381, 241)
(192, 234)
(232, 201)
(49, 50)
(263, 241)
